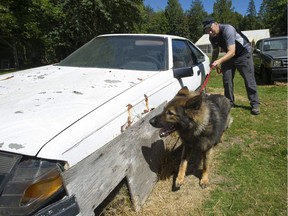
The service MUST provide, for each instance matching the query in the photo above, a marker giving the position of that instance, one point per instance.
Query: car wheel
(266, 76)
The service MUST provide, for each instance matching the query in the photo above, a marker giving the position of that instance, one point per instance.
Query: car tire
(265, 76)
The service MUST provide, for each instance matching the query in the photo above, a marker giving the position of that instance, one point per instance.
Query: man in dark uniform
(238, 56)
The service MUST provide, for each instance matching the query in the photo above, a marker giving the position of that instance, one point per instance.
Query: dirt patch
(165, 199)
(280, 83)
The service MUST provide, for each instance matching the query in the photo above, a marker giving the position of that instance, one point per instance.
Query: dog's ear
(194, 103)
(184, 91)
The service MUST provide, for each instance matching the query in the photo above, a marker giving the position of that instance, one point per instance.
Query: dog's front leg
(207, 157)
(186, 153)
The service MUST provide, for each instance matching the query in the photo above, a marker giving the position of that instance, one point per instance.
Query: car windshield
(130, 52)
(279, 44)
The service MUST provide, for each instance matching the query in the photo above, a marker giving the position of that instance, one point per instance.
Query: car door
(256, 56)
(188, 66)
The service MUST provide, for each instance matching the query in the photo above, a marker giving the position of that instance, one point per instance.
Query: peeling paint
(7, 78)
(41, 77)
(112, 81)
(132, 83)
(15, 146)
(77, 92)
(1, 144)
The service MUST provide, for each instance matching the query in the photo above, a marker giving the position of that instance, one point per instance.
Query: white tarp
(204, 43)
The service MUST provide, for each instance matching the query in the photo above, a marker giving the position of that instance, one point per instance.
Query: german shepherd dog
(200, 121)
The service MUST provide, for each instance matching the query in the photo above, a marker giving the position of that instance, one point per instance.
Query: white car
(53, 117)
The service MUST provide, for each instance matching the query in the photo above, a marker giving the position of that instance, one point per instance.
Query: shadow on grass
(242, 107)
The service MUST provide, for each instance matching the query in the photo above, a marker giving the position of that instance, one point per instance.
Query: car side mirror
(183, 72)
(256, 51)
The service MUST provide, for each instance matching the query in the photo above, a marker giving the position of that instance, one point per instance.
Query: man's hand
(216, 64)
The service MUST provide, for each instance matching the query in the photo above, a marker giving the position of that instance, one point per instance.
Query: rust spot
(129, 115)
(129, 119)
(146, 105)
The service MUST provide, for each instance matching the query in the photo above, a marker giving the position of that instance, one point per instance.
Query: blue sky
(240, 6)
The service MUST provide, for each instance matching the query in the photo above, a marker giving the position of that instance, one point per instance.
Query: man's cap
(208, 22)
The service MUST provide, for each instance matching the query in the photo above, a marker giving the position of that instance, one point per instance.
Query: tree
(177, 24)
(86, 19)
(45, 31)
(157, 24)
(223, 10)
(25, 25)
(273, 15)
(250, 20)
(195, 16)
(7, 26)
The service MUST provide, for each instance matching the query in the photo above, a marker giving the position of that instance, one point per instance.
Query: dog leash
(208, 77)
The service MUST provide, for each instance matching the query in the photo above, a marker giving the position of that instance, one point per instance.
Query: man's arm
(230, 53)
(215, 54)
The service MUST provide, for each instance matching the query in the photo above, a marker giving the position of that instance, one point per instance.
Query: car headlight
(30, 185)
(43, 188)
(276, 63)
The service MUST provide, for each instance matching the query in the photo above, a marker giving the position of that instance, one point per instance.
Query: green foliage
(254, 163)
(35, 32)
(176, 20)
(273, 15)
(223, 11)
(195, 17)
(157, 23)
(86, 19)
(250, 20)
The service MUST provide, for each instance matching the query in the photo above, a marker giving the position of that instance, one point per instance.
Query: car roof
(153, 35)
(275, 38)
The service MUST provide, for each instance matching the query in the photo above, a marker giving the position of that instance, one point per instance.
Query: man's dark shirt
(228, 35)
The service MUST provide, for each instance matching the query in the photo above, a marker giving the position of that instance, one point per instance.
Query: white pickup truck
(54, 117)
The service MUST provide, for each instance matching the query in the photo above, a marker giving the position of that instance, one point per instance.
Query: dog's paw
(204, 183)
(179, 182)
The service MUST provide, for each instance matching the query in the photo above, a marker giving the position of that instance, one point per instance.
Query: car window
(185, 54)
(121, 52)
(257, 46)
(279, 44)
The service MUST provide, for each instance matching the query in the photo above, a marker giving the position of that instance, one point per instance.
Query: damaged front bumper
(31, 186)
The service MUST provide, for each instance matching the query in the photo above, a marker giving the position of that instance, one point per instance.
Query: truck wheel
(266, 76)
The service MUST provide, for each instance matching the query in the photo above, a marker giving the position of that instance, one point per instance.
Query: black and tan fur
(200, 121)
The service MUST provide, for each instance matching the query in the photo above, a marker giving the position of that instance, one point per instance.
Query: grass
(255, 161)
(252, 161)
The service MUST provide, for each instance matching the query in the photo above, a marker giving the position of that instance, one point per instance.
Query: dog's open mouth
(166, 130)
